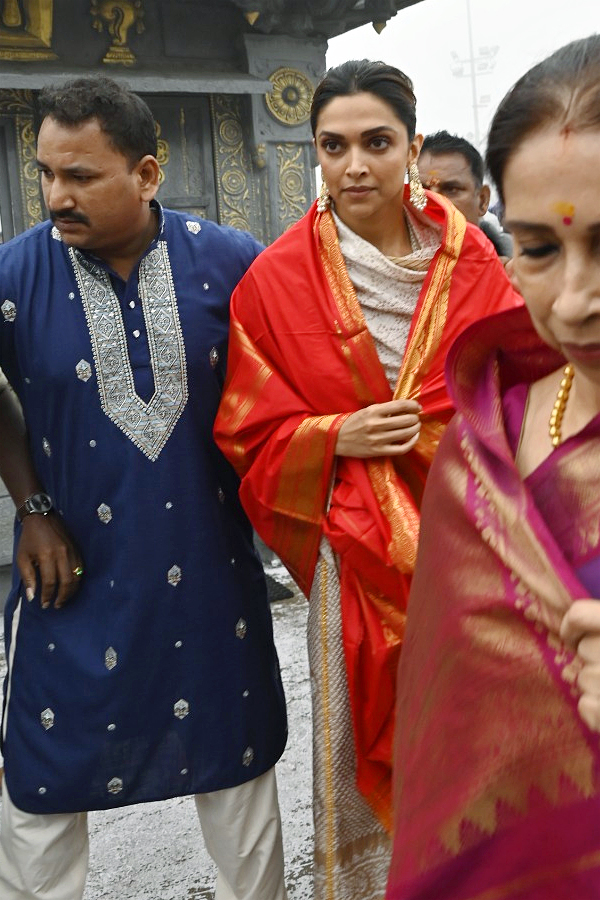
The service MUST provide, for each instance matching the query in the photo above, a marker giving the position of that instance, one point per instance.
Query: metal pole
(473, 75)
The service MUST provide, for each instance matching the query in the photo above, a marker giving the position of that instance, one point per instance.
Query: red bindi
(567, 220)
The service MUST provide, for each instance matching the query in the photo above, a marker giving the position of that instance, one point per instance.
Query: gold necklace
(560, 404)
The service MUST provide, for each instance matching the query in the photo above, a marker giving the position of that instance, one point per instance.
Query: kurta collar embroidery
(147, 424)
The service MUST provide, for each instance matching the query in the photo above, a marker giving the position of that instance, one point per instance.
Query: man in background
(451, 166)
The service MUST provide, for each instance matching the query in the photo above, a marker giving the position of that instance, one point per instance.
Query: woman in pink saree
(497, 757)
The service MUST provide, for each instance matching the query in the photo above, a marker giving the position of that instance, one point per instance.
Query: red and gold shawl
(497, 778)
(301, 359)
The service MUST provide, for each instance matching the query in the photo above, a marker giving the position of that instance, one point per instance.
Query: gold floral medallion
(289, 102)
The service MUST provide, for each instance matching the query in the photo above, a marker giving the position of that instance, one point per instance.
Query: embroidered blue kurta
(160, 678)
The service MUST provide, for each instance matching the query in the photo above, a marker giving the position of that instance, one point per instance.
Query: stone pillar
(282, 150)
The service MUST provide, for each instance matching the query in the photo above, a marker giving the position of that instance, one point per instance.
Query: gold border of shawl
(304, 458)
(238, 405)
(427, 334)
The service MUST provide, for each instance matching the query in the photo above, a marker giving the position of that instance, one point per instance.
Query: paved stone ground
(154, 851)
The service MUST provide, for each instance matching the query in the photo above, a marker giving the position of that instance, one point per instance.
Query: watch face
(40, 503)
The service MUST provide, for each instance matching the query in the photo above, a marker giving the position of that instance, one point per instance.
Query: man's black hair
(123, 116)
(444, 142)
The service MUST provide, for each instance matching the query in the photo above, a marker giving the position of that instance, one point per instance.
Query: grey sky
(420, 40)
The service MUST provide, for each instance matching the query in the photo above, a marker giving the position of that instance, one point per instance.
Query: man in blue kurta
(141, 662)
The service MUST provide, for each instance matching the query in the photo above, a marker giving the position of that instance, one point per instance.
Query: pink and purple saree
(497, 779)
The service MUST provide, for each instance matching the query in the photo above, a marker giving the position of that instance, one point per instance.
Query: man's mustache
(67, 215)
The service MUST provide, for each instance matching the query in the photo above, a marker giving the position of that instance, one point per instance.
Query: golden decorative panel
(163, 152)
(13, 102)
(29, 175)
(118, 17)
(232, 166)
(26, 29)
(18, 106)
(289, 102)
(292, 194)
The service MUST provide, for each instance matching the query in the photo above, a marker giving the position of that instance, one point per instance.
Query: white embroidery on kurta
(84, 370)
(104, 513)
(148, 425)
(174, 576)
(9, 310)
(181, 709)
(47, 719)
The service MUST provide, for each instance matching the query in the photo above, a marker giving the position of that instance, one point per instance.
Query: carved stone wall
(26, 30)
(240, 181)
(231, 106)
(231, 103)
(280, 123)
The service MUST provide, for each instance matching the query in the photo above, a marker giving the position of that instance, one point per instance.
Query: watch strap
(36, 504)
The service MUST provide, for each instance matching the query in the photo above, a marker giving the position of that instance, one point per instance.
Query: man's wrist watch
(38, 503)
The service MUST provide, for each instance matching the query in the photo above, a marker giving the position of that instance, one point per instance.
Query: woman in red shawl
(334, 404)
(497, 763)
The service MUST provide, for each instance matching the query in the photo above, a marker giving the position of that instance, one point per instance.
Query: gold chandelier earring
(324, 198)
(418, 197)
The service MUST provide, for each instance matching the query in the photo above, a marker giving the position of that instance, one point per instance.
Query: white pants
(46, 857)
